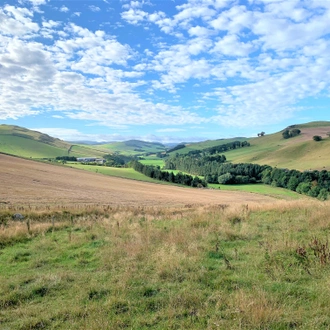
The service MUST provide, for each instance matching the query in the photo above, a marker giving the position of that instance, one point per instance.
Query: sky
(163, 70)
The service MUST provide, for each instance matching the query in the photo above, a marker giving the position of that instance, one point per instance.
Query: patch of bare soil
(24, 182)
(308, 133)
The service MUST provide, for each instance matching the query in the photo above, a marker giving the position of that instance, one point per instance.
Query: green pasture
(260, 188)
(127, 173)
(153, 162)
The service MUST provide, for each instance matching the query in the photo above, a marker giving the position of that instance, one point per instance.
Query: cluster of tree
(67, 158)
(289, 133)
(195, 164)
(178, 147)
(311, 183)
(116, 160)
(229, 173)
(161, 154)
(156, 173)
(261, 134)
(220, 148)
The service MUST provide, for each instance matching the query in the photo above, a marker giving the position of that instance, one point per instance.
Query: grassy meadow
(127, 173)
(259, 188)
(195, 267)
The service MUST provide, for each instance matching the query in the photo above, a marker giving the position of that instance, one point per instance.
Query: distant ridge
(300, 152)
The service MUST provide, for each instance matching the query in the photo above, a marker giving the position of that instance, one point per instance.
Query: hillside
(134, 147)
(19, 141)
(300, 152)
(205, 144)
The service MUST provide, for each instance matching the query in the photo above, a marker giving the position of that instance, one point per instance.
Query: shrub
(323, 194)
(225, 178)
(303, 188)
(317, 138)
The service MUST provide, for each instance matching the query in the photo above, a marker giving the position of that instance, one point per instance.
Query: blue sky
(166, 71)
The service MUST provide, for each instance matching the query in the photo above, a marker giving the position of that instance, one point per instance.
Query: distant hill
(19, 141)
(134, 147)
(300, 152)
(206, 144)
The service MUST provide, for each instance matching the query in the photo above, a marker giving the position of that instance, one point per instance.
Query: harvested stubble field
(27, 182)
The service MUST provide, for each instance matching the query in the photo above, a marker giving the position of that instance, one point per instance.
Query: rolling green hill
(300, 152)
(19, 141)
(134, 147)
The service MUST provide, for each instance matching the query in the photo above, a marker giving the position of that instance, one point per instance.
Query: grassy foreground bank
(197, 267)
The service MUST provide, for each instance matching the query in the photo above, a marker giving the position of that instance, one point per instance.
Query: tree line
(220, 148)
(311, 183)
(195, 164)
(156, 173)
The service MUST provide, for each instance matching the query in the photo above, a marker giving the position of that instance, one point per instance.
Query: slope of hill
(205, 144)
(300, 152)
(19, 141)
(134, 147)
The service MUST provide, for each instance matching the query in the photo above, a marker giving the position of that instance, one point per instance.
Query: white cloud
(199, 31)
(95, 9)
(134, 16)
(64, 9)
(230, 45)
(17, 21)
(242, 64)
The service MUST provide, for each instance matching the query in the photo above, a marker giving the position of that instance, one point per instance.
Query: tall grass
(196, 267)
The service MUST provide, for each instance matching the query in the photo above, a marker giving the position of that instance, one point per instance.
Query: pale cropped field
(26, 182)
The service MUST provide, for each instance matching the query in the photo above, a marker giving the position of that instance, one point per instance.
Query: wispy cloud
(95, 9)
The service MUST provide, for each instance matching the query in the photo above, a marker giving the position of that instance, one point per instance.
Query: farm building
(91, 160)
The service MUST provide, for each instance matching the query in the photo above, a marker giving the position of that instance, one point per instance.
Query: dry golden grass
(193, 267)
